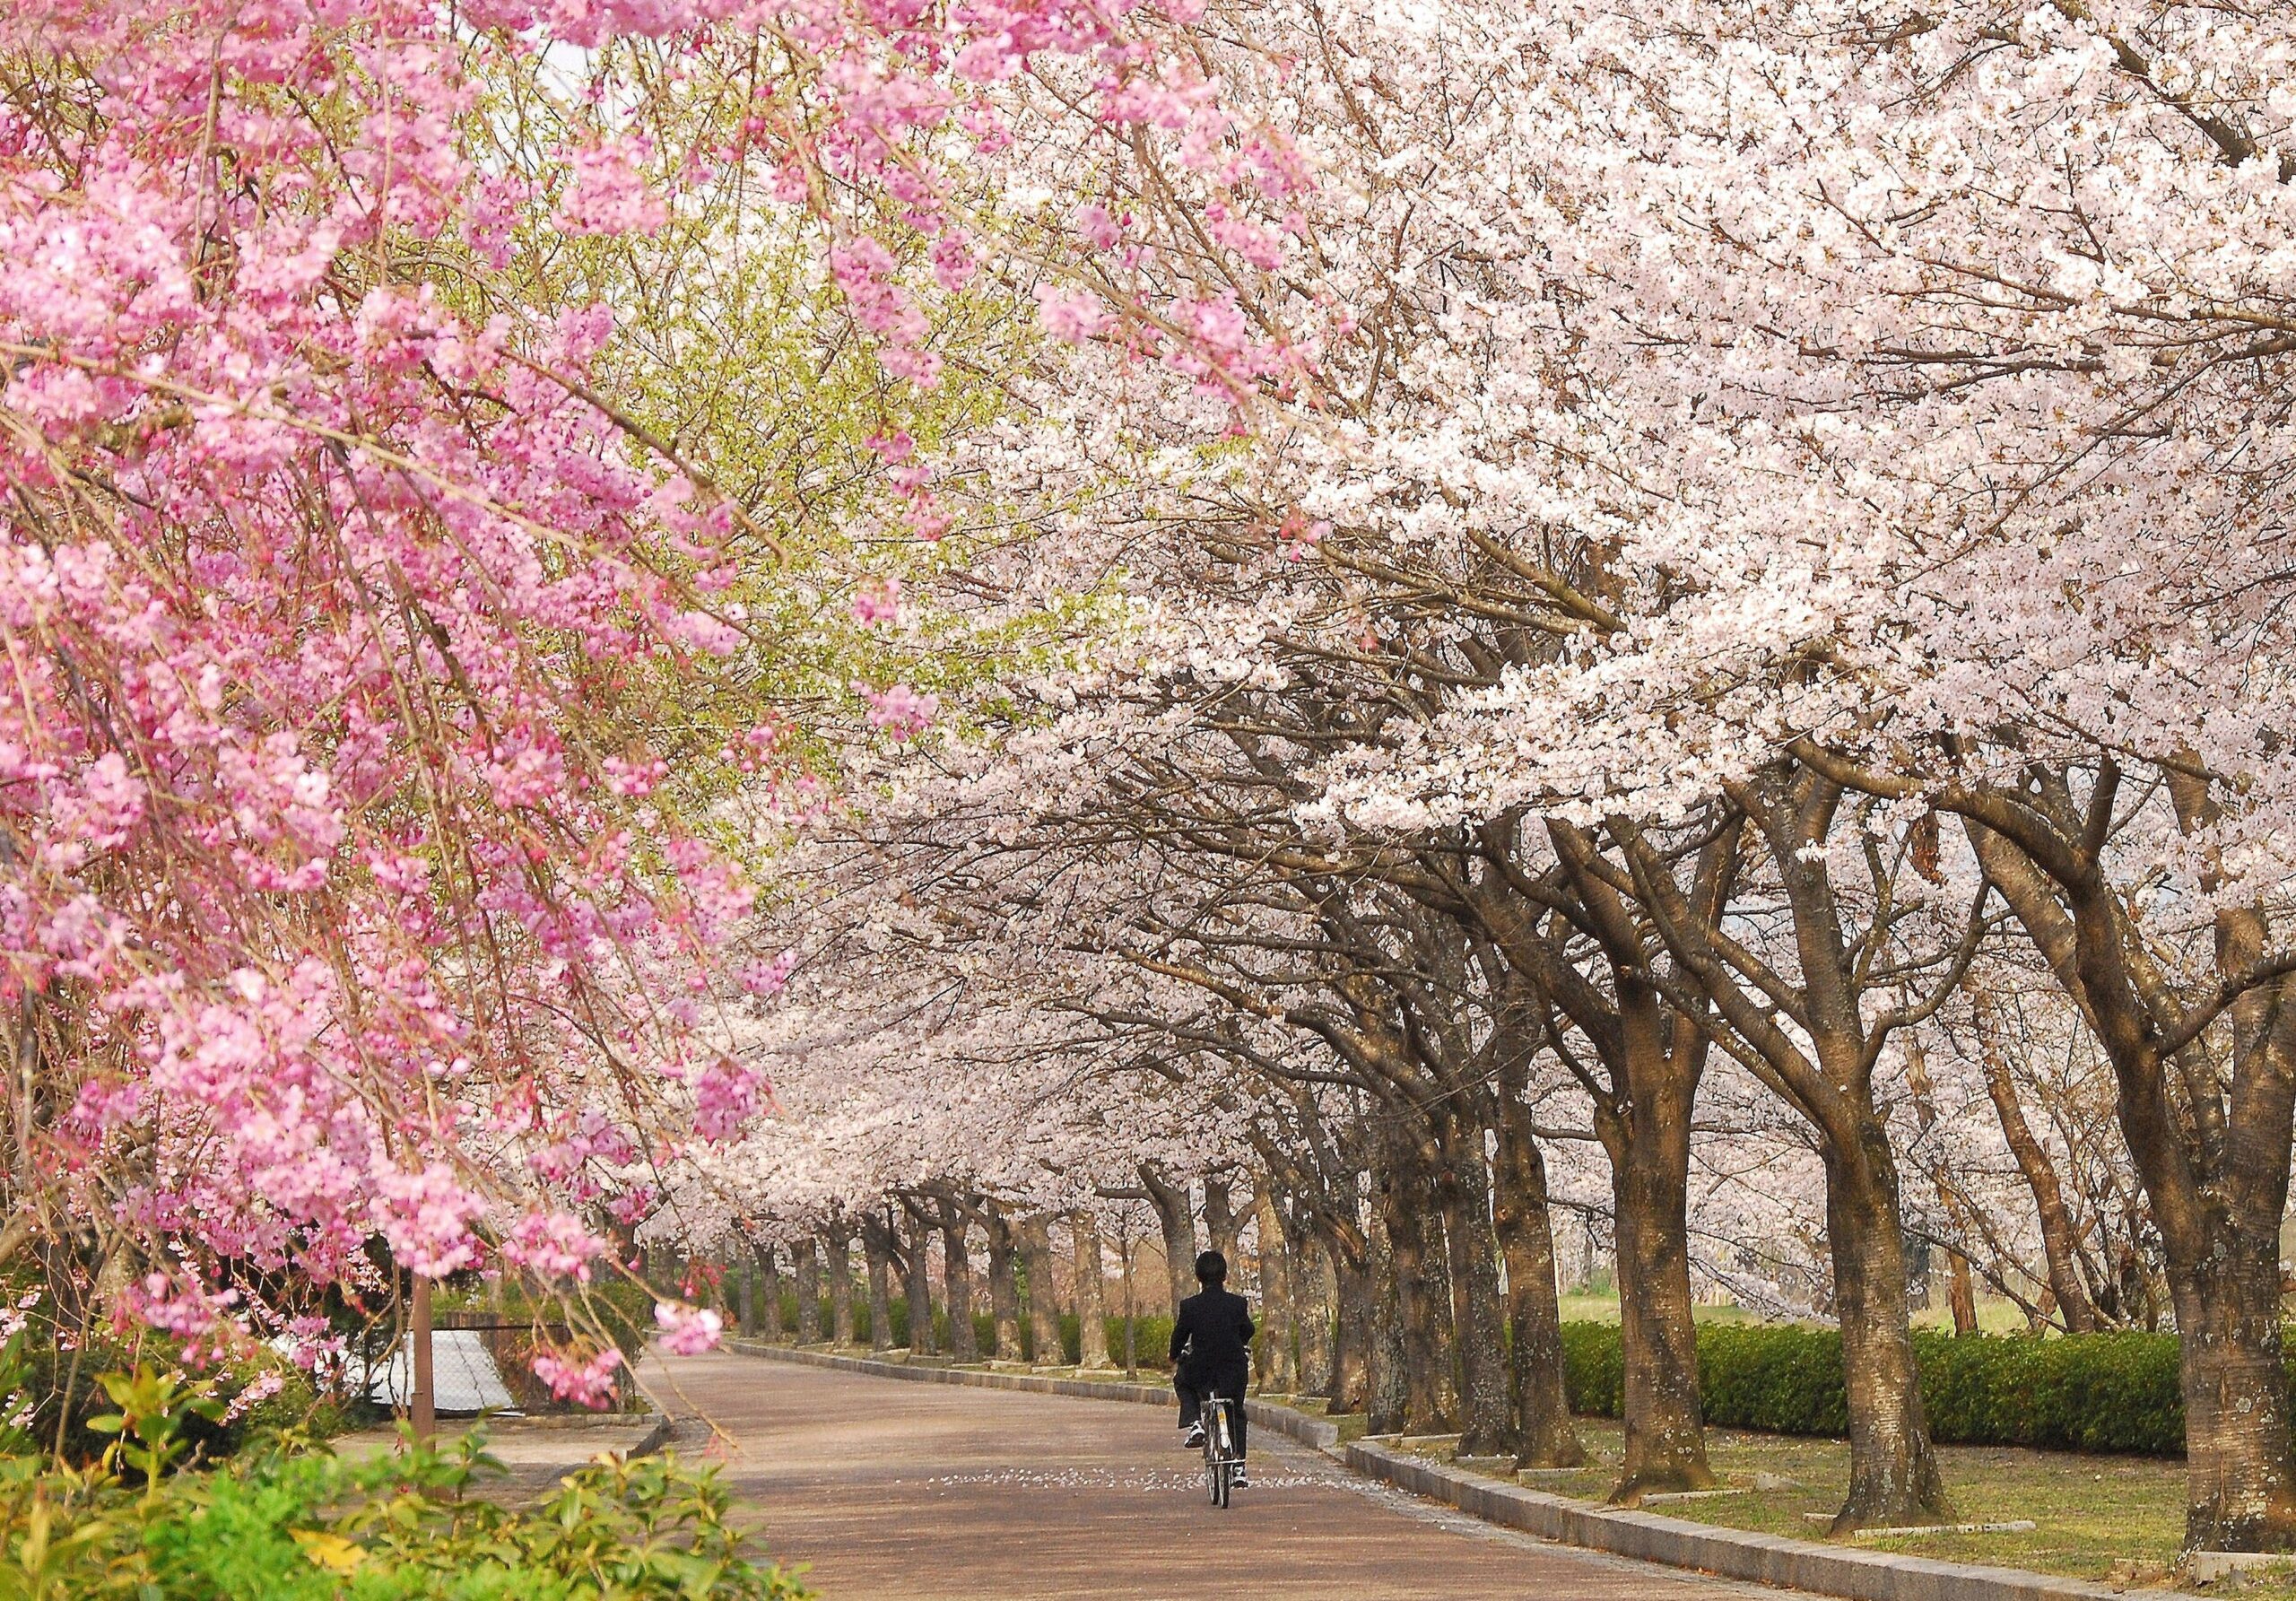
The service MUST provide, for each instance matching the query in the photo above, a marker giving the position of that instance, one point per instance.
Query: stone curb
(654, 1437)
(578, 1420)
(652, 1440)
(1646, 1536)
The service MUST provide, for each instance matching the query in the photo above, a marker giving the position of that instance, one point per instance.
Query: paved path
(944, 1492)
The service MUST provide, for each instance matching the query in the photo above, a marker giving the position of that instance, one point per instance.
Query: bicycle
(1220, 1458)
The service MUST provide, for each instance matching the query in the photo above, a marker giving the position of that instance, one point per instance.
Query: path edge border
(1645, 1536)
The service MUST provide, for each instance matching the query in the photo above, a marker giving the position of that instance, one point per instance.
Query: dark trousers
(1192, 1387)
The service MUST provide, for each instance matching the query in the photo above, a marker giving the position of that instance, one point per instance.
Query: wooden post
(423, 1408)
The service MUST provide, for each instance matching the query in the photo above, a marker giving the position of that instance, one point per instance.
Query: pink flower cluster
(426, 1216)
(588, 1382)
(900, 713)
(876, 602)
(554, 1245)
(608, 192)
(204, 1320)
(770, 978)
(686, 1331)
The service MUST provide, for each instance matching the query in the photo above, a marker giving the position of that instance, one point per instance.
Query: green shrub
(54, 1387)
(285, 1523)
(1593, 1369)
(1151, 1335)
(1784, 1378)
(2104, 1392)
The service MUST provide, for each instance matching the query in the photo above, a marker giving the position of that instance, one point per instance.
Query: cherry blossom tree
(1881, 422)
(1911, 390)
(362, 883)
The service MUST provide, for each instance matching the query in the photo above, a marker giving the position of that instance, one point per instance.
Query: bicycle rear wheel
(1220, 1438)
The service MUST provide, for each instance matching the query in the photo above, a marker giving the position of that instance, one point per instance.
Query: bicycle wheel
(1213, 1485)
(1220, 1437)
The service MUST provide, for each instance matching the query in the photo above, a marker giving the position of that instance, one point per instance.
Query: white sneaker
(1237, 1479)
(1193, 1438)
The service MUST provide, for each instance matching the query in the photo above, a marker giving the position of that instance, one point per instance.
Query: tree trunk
(808, 1275)
(877, 1248)
(1355, 1312)
(1219, 1219)
(1386, 1361)
(2213, 1159)
(1091, 1294)
(1131, 1307)
(2241, 1495)
(1176, 1219)
(1485, 1412)
(1665, 1432)
(2057, 1248)
(837, 1250)
(1314, 1297)
(1279, 1373)
(1960, 1292)
(1005, 1284)
(956, 1269)
(1893, 1477)
(745, 1306)
(1035, 1236)
(918, 1289)
(1354, 1331)
(1416, 1283)
(1544, 1434)
(768, 1272)
(422, 1406)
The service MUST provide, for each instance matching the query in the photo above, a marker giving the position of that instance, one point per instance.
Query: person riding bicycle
(1208, 1354)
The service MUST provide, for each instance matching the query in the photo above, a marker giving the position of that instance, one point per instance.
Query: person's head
(1212, 1268)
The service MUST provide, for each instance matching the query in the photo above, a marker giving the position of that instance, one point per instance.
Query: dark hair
(1212, 1268)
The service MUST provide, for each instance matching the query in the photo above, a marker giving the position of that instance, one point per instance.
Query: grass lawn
(2115, 1519)
(1589, 1307)
(1994, 1315)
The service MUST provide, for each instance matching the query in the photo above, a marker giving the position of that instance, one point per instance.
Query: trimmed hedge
(2104, 1392)
(1153, 1331)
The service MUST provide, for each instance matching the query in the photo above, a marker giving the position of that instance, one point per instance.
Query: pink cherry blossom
(1071, 315)
(900, 713)
(876, 602)
(555, 1244)
(587, 1383)
(334, 584)
(607, 194)
(725, 1098)
(686, 1331)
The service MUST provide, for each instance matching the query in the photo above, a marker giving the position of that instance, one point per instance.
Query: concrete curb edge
(1646, 1536)
(654, 1437)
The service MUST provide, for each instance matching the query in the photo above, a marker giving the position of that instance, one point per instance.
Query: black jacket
(1211, 1330)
